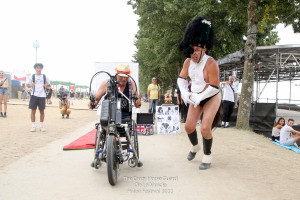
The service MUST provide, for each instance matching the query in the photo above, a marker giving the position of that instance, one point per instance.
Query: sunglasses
(154, 79)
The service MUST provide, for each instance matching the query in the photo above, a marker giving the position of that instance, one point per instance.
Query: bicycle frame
(111, 121)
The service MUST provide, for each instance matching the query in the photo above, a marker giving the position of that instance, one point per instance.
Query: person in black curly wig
(203, 71)
(199, 32)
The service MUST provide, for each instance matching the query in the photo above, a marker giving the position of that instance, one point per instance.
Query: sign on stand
(167, 119)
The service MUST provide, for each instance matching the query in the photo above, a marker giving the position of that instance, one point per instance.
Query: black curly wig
(198, 32)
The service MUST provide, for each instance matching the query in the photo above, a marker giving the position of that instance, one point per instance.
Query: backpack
(33, 80)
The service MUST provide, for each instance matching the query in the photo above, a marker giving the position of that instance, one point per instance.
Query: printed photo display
(167, 119)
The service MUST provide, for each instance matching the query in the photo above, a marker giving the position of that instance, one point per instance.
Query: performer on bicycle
(205, 96)
(125, 86)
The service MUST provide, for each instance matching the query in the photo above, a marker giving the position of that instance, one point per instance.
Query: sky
(73, 35)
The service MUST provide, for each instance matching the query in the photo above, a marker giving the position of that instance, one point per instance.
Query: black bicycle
(116, 139)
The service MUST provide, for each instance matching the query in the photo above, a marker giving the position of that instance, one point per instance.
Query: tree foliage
(263, 16)
(162, 24)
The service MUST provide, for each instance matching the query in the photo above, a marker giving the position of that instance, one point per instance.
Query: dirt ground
(34, 166)
(16, 139)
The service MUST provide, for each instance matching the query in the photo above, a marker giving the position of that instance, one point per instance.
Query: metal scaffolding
(273, 64)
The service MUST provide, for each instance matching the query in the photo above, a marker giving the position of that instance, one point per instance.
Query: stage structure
(273, 64)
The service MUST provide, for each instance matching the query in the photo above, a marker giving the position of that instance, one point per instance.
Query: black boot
(206, 161)
(4, 114)
(194, 140)
(1, 114)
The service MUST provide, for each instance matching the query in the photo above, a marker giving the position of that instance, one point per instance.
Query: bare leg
(33, 115)
(1, 97)
(190, 127)
(5, 102)
(42, 115)
(192, 118)
(296, 140)
(210, 110)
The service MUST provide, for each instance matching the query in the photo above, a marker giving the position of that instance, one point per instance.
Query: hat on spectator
(123, 69)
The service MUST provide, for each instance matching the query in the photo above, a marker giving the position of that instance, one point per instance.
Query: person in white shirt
(229, 100)
(289, 136)
(38, 82)
(276, 129)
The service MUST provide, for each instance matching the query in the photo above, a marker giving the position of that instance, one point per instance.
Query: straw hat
(123, 68)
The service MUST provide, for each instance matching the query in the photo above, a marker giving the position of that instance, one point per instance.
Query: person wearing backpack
(38, 82)
(229, 100)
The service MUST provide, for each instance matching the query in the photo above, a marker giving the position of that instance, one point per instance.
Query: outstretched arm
(159, 94)
(137, 103)
(100, 93)
(295, 132)
(235, 100)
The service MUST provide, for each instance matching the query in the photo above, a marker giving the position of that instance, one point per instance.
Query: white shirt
(285, 134)
(276, 132)
(228, 94)
(38, 90)
(196, 74)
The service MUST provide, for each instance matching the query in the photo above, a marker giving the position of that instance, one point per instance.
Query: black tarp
(262, 117)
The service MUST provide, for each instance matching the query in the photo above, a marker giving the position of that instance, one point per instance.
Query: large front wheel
(112, 161)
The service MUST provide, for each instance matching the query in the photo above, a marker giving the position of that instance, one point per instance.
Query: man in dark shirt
(48, 95)
(72, 95)
(123, 84)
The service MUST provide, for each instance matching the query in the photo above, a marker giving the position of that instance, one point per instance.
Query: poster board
(167, 119)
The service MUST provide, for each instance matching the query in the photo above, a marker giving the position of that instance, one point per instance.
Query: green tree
(162, 24)
(262, 15)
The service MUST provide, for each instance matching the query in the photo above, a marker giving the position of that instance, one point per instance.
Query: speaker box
(144, 118)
